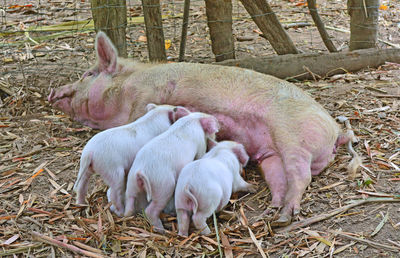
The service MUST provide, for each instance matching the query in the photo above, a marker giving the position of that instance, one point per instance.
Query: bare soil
(40, 147)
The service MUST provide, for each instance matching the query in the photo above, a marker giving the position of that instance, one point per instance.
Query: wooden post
(363, 23)
(312, 7)
(262, 14)
(219, 18)
(185, 23)
(154, 30)
(110, 17)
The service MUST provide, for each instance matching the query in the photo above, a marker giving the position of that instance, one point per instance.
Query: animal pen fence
(55, 38)
(48, 43)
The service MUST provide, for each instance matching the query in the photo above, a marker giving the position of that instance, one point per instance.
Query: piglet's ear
(211, 143)
(107, 55)
(180, 112)
(241, 154)
(150, 106)
(210, 125)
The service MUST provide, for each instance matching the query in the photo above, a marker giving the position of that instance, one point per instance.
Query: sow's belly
(251, 132)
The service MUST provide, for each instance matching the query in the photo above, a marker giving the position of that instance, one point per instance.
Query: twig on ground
(26, 154)
(60, 244)
(19, 250)
(380, 225)
(253, 237)
(387, 96)
(380, 40)
(217, 234)
(368, 242)
(332, 213)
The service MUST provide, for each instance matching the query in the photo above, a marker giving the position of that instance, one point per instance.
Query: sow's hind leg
(274, 175)
(297, 164)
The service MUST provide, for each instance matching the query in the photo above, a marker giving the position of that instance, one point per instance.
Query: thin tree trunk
(320, 26)
(262, 14)
(109, 16)
(364, 16)
(219, 18)
(185, 23)
(154, 30)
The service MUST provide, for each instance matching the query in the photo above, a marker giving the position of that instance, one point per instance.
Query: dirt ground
(40, 147)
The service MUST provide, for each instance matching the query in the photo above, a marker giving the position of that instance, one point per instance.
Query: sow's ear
(106, 53)
(210, 125)
(241, 154)
(180, 112)
(150, 106)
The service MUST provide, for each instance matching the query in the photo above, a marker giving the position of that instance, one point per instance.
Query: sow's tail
(348, 138)
(192, 201)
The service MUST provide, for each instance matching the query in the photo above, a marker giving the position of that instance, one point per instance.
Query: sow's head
(95, 100)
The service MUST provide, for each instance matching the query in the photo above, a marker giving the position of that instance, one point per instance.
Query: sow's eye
(89, 73)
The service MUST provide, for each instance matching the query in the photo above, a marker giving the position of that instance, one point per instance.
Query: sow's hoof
(282, 221)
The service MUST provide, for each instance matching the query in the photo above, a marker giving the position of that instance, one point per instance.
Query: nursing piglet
(205, 185)
(111, 153)
(158, 164)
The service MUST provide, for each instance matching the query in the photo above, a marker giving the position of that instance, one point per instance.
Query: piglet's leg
(183, 222)
(117, 190)
(274, 175)
(245, 187)
(112, 207)
(153, 214)
(200, 222)
(129, 205)
(82, 187)
(117, 200)
(133, 193)
(160, 197)
(298, 173)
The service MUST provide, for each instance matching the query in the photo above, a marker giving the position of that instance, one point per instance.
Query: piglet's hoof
(252, 189)
(282, 221)
(159, 230)
(185, 235)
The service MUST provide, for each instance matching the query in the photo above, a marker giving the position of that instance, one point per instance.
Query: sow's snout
(61, 98)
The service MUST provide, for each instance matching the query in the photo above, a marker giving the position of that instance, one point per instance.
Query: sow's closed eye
(90, 73)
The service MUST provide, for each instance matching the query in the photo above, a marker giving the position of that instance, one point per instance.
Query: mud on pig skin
(111, 153)
(205, 186)
(281, 126)
(158, 164)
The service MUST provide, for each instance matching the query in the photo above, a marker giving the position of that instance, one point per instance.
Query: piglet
(158, 164)
(111, 153)
(205, 185)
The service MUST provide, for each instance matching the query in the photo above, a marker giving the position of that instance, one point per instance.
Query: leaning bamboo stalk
(312, 7)
(60, 244)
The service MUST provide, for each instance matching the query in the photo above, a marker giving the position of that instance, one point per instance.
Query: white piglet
(205, 185)
(111, 153)
(158, 164)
